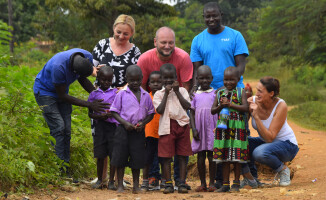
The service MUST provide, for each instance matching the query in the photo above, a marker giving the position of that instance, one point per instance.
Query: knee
(260, 155)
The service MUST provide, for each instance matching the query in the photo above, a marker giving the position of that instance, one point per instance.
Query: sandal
(211, 188)
(201, 189)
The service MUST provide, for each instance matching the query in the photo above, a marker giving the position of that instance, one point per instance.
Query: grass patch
(310, 115)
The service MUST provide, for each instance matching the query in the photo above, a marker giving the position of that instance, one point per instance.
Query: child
(230, 145)
(133, 109)
(203, 124)
(105, 126)
(151, 130)
(171, 103)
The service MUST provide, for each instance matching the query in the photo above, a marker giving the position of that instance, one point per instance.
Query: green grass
(310, 115)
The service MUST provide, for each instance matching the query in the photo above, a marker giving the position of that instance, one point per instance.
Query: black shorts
(103, 139)
(129, 148)
(151, 149)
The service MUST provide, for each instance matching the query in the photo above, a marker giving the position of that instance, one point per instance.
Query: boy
(133, 109)
(104, 125)
(151, 130)
(171, 103)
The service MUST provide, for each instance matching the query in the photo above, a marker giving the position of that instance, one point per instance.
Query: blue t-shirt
(58, 70)
(218, 52)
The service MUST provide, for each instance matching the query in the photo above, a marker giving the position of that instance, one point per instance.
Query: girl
(203, 123)
(231, 144)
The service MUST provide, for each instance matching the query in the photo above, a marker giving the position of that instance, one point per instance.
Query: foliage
(4, 44)
(27, 157)
(310, 114)
(294, 28)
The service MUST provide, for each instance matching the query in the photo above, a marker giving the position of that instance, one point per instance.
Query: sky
(170, 2)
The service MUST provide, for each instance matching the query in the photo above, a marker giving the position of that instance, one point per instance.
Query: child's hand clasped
(175, 86)
(128, 126)
(139, 126)
(195, 135)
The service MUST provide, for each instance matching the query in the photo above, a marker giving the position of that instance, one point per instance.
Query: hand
(225, 102)
(108, 113)
(128, 126)
(168, 88)
(175, 86)
(140, 126)
(103, 116)
(253, 108)
(195, 135)
(97, 106)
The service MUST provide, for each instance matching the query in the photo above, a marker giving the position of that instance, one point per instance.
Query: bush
(310, 114)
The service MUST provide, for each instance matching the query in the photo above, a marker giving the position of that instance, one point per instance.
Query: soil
(308, 171)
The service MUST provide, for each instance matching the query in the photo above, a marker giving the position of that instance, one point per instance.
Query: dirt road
(309, 181)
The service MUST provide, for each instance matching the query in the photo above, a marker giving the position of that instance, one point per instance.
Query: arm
(96, 106)
(278, 120)
(240, 62)
(184, 103)
(196, 65)
(216, 107)
(193, 125)
(99, 116)
(86, 84)
(141, 125)
(244, 104)
(128, 126)
(160, 109)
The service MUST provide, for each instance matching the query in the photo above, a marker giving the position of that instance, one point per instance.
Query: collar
(142, 91)
(100, 90)
(202, 91)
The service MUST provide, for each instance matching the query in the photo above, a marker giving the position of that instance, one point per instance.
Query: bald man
(166, 52)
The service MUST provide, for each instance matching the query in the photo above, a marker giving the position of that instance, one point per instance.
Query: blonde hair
(125, 19)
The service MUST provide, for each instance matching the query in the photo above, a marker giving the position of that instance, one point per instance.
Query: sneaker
(218, 184)
(111, 186)
(224, 188)
(98, 185)
(177, 183)
(285, 177)
(182, 188)
(235, 188)
(144, 187)
(162, 185)
(168, 188)
(246, 181)
(153, 183)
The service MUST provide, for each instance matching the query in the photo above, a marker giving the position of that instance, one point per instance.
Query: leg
(236, 182)
(219, 175)
(99, 168)
(212, 170)
(166, 169)
(226, 176)
(183, 170)
(65, 111)
(120, 173)
(201, 157)
(135, 179)
(254, 142)
(105, 169)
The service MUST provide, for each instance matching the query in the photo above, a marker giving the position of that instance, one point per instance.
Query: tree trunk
(10, 23)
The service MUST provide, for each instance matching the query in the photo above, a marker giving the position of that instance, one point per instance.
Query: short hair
(212, 5)
(82, 65)
(133, 69)
(162, 28)
(232, 70)
(125, 19)
(168, 67)
(104, 70)
(271, 84)
(204, 68)
(154, 73)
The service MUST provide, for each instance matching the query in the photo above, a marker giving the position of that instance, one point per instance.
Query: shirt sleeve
(58, 75)
(143, 64)
(240, 45)
(185, 94)
(187, 69)
(195, 54)
(157, 99)
(137, 55)
(117, 103)
(91, 97)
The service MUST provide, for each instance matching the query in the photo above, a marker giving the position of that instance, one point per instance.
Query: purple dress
(204, 120)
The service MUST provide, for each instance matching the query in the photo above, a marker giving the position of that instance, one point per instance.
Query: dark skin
(104, 81)
(231, 78)
(204, 79)
(155, 84)
(134, 81)
(169, 80)
(213, 20)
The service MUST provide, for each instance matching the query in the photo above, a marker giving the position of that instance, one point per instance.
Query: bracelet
(195, 86)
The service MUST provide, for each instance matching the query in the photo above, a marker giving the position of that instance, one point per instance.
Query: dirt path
(309, 165)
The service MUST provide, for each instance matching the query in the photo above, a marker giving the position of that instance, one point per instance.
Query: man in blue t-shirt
(218, 47)
(51, 89)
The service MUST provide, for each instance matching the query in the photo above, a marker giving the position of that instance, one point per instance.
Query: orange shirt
(151, 129)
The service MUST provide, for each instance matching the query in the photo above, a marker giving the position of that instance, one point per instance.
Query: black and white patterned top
(103, 54)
